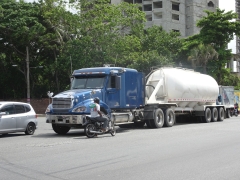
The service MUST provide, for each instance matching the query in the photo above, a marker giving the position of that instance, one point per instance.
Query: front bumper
(65, 119)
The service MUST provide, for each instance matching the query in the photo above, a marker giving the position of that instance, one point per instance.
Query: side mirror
(219, 98)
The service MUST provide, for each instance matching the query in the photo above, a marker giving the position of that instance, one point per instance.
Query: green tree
(201, 55)
(218, 28)
(107, 31)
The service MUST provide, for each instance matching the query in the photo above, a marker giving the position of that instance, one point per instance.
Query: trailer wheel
(169, 118)
(214, 114)
(207, 115)
(220, 114)
(228, 115)
(60, 129)
(158, 120)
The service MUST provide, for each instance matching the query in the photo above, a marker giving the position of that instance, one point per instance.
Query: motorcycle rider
(97, 114)
(236, 106)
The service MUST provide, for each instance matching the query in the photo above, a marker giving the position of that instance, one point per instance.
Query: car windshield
(89, 82)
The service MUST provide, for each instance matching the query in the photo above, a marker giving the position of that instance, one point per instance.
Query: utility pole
(28, 81)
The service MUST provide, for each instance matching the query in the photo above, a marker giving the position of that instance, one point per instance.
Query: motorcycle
(234, 111)
(93, 127)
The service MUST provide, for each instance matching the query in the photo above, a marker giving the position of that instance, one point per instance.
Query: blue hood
(79, 95)
(74, 93)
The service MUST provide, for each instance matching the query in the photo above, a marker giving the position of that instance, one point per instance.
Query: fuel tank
(184, 87)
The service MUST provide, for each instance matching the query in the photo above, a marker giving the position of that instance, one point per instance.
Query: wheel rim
(30, 129)
(159, 118)
(89, 128)
(170, 118)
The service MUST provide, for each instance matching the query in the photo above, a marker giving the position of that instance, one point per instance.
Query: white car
(17, 117)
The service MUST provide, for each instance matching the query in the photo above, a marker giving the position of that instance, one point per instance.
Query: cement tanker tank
(175, 93)
(184, 87)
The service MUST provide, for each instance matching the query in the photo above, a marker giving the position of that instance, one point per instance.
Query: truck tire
(169, 118)
(158, 120)
(60, 129)
(207, 115)
(220, 114)
(214, 114)
(228, 115)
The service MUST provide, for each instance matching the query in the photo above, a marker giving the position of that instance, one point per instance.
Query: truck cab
(120, 90)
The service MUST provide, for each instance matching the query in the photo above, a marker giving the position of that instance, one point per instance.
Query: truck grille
(61, 103)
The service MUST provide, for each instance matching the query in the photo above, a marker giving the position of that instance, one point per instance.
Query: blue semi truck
(127, 96)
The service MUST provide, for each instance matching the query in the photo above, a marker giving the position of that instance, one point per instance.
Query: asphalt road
(184, 152)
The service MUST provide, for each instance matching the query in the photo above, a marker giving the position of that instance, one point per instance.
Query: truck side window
(112, 82)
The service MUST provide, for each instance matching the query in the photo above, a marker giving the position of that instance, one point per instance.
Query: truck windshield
(90, 82)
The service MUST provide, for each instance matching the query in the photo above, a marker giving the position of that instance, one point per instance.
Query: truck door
(113, 91)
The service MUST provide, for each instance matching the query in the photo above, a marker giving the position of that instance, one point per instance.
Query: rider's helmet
(96, 100)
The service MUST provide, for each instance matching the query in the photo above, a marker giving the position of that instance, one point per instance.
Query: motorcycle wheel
(88, 128)
(113, 130)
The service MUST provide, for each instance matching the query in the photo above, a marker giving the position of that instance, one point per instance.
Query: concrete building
(176, 15)
(237, 8)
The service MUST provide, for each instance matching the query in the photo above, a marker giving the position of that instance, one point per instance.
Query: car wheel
(30, 129)
(60, 129)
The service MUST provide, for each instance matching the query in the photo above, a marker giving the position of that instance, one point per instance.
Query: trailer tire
(214, 115)
(228, 115)
(207, 115)
(60, 129)
(169, 118)
(158, 120)
(220, 114)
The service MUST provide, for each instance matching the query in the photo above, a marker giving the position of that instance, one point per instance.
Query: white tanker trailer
(164, 96)
(171, 92)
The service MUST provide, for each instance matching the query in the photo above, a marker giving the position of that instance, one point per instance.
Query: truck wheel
(158, 120)
(228, 115)
(214, 115)
(207, 115)
(220, 114)
(169, 118)
(60, 129)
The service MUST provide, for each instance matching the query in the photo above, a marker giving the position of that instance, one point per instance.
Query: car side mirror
(2, 113)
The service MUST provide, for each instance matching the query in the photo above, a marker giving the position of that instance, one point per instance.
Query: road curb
(41, 115)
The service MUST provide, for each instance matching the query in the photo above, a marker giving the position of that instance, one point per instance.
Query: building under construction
(237, 6)
(176, 15)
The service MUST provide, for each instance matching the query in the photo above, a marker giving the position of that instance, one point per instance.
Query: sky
(229, 5)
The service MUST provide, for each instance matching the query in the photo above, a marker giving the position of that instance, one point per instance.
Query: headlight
(79, 109)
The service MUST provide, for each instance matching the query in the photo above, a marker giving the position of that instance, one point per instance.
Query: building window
(149, 17)
(175, 17)
(129, 1)
(138, 1)
(157, 16)
(157, 5)
(210, 4)
(175, 6)
(175, 30)
(147, 7)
